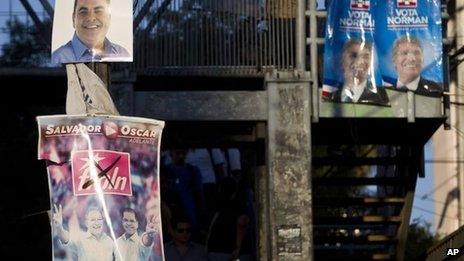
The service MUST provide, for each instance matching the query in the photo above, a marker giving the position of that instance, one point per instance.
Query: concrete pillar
(289, 168)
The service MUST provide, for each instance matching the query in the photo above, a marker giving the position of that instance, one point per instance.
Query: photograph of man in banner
(131, 245)
(408, 60)
(356, 64)
(91, 21)
(93, 244)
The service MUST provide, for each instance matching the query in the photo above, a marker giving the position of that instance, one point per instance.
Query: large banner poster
(351, 71)
(372, 44)
(409, 40)
(104, 186)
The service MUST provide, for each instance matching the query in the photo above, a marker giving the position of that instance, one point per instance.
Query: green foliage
(419, 240)
(27, 46)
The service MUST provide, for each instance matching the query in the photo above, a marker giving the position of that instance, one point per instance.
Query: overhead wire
(437, 187)
(434, 213)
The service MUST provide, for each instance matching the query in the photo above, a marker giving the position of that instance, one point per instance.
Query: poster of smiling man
(104, 186)
(351, 72)
(409, 38)
(92, 31)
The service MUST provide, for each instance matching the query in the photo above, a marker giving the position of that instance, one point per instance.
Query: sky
(425, 209)
(15, 8)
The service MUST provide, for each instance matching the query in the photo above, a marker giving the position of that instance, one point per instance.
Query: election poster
(92, 31)
(409, 40)
(103, 174)
(351, 71)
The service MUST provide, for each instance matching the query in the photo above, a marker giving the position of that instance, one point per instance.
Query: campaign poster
(92, 31)
(103, 174)
(350, 54)
(409, 40)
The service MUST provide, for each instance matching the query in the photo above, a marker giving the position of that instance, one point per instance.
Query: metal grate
(220, 36)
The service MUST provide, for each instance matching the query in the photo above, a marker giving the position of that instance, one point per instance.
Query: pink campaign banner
(104, 186)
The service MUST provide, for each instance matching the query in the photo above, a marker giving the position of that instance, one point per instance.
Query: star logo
(406, 3)
(362, 5)
(110, 129)
(101, 171)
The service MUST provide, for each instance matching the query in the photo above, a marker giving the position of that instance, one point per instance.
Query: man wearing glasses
(181, 248)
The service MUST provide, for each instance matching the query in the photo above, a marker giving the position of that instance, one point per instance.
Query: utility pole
(103, 71)
(459, 85)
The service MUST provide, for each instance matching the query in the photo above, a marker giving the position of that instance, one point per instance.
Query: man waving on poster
(91, 245)
(130, 244)
(91, 21)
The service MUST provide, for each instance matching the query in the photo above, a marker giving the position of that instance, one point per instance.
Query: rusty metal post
(289, 167)
(300, 35)
(103, 71)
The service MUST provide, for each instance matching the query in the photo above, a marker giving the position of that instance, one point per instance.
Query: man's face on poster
(408, 59)
(91, 20)
(356, 60)
(94, 222)
(129, 222)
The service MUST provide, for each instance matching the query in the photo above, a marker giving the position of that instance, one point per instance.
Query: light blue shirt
(75, 51)
(89, 248)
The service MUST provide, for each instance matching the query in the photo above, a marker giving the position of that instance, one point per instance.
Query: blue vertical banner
(409, 40)
(351, 63)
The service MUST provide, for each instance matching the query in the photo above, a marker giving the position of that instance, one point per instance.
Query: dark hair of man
(180, 218)
(356, 41)
(405, 39)
(75, 4)
(129, 210)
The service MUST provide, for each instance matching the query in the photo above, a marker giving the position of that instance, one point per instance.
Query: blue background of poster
(337, 36)
(430, 37)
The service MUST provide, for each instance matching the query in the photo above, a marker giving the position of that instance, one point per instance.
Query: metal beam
(300, 35)
(335, 221)
(156, 17)
(358, 201)
(142, 13)
(38, 24)
(30, 11)
(203, 105)
(454, 240)
(353, 181)
(48, 8)
(357, 161)
(314, 60)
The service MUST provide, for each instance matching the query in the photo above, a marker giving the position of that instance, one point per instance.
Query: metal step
(357, 201)
(357, 161)
(318, 220)
(353, 181)
(357, 240)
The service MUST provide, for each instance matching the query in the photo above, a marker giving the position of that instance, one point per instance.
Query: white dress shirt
(411, 86)
(132, 249)
(89, 248)
(354, 93)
